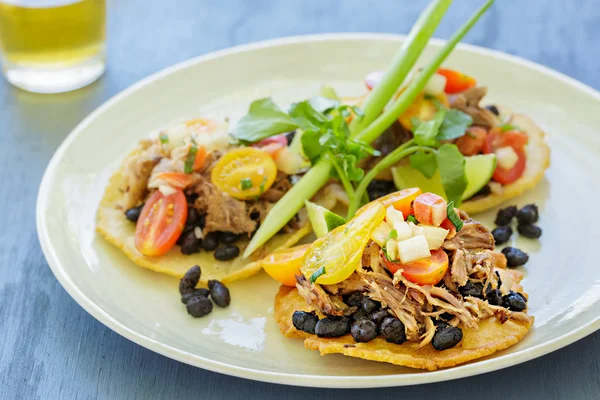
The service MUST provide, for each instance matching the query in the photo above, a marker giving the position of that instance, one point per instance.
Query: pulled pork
(473, 235)
(316, 297)
(137, 169)
(468, 102)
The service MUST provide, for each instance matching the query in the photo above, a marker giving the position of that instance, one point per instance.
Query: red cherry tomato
(515, 139)
(160, 223)
(426, 271)
(472, 142)
(456, 82)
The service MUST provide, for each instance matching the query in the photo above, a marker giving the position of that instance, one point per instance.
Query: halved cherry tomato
(244, 173)
(430, 209)
(160, 223)
(401, 200)
(472, 142)
(273, 149)
(456, 82)
(203, 123)
(515, 139)
(178, 180)
(372, 79)
(283, 265)
(426, 271)
(447, 224)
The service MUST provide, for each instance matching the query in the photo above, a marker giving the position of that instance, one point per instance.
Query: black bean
(290, 136)
(514, 301)
(471, 288)
(305, 321)
(196, 293)
(378, 316)
(354, 300)
(446, 336)
(191, 198)
(515, 257)
(219, 293)
(369, 305)
(530, 230)
(134, 213)
(329, 327)
(199, 306)
(227, 252)
(211, 241)
(192, 217)
(528, 214)
(446, 316)
(186, 229)
(392, 329)
(363, 331)
(502, 234)
(190, 280)
(360, 315)
(494, 297)
(376, 194)
(484, 191)
(189, 243)
(229, 237)
(493, 109)
(505, 215)
(384, 186)
(254, 215)
(499, 279)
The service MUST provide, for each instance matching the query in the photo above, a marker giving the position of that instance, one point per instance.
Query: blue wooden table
(51, 349)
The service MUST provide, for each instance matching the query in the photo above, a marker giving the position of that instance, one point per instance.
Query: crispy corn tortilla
(491, 336)
(118, 230)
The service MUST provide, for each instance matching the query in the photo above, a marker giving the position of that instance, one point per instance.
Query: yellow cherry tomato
(283, 265)
(335, 256)
(244, 173)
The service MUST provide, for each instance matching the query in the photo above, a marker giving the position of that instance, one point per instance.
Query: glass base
(53, 79)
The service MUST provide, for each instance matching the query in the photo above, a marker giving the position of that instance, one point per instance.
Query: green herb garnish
(262, 185)
(164, 138)
(378, 117)
(246, 183)
(190, 159)
(411, 218)
(454, 218)
(392, 235)
(509, 127)
(317, 274)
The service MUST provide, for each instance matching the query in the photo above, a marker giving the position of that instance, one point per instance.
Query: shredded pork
(317, 298)
(468, 102)
(473, 235)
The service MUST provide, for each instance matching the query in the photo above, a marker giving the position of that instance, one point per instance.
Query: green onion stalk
(374, 122)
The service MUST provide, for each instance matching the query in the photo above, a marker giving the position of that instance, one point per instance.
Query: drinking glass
(52, 46)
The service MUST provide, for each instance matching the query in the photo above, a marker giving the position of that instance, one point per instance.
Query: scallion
(164, 138)
(317, 274)
(188, 166)
(453, 217)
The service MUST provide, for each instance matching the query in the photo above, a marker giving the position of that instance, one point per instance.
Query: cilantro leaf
(246, 183)
(164, 138)
(323, 104)
(425, 163)
(264, 119)
(452, 172)
(455, 125)
(306, 116)
(436, 102)
(426, 132)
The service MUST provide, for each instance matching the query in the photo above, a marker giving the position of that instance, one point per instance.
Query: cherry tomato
(201, 123)
(472, 142)
(244, 173)
(426, 271)
(401, 200)
(515, 139)
(456, 82)
(200, 159)
(160, 223)
(372, 79)
(447, 224)
(430, 209)
(280, 139)
(283, 265)
(423, 108)
(178, 180)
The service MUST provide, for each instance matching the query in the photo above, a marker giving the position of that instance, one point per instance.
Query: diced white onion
(290, 162)
(177, 135)
(396, 220)
(434, 235)
(507, 157)
(435, 85)
(381, 233)
(166, 190)
(413, 249)
(198, 232)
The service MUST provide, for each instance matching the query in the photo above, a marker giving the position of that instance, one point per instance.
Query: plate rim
(342, 381)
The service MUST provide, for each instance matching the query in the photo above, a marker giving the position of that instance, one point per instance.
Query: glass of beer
(52, 46)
